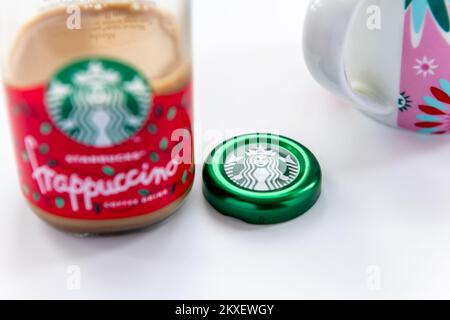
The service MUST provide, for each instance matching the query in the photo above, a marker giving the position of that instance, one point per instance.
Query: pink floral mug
(391, 58)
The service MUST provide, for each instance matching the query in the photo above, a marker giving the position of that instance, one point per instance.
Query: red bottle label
(97, 144)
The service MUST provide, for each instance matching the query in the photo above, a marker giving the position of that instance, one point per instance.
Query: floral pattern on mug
(419, 11)
(404, 102)
(425, 65)
(435, 118)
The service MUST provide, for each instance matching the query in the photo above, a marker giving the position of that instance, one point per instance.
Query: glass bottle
(100, 104)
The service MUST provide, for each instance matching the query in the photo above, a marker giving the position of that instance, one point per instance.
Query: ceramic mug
(389, 57)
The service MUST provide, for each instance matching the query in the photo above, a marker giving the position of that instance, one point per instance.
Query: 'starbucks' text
(48, 180)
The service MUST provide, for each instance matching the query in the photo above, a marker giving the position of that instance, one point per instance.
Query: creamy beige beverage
(93, 109)
(143, 35)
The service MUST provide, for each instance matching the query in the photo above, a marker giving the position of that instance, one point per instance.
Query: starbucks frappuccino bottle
(100, 105)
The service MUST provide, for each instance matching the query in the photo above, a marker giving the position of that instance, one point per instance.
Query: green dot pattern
(36, 196)
(25, 156)
(60, 203)
(185, 176)
(109, 171)
(44, 149)
(154, 157)
(164, 144)
(46, 128)
(152, 128)
(26, 189)
(172, 113)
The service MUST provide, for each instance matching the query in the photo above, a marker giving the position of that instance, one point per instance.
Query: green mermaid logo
(98, 102)
(262, 168)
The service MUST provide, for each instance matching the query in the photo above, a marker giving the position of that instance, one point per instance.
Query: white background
(384, 213)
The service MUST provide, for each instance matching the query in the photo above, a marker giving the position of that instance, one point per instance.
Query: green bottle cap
(262, 178)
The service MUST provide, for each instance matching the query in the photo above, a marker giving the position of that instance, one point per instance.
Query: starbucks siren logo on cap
(262, 178)
(98, 102)
(262, 168)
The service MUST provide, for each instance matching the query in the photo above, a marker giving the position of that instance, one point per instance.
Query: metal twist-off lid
(262, 178)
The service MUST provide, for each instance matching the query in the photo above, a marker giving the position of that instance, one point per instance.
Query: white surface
(385, 201)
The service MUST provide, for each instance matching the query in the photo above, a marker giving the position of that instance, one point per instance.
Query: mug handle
(326, 32)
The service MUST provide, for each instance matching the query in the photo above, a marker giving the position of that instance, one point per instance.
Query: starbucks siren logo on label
(96, 142)
(99, 102)
(261, 168)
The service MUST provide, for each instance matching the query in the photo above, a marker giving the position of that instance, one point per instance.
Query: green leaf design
(438, 9)
(407, 3)
(440, 13)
